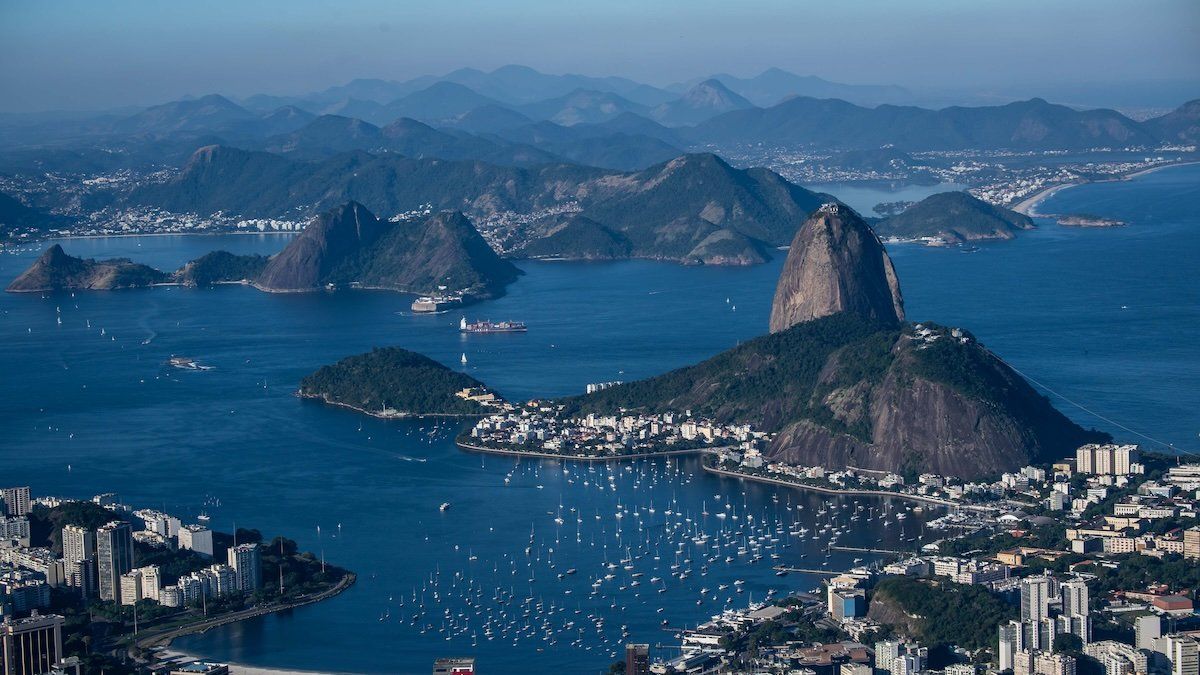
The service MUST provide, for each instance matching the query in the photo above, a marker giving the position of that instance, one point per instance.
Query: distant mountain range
(1024, 125)
(774, 85)
(694, 208)
(611, 123)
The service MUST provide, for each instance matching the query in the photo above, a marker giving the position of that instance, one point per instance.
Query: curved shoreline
(1028, 206)
(164, 638)
(850, 493)
(581, 458)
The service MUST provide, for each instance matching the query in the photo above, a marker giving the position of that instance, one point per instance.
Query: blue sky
(67, 54)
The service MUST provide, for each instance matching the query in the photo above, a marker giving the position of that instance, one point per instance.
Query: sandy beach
(1028, 206)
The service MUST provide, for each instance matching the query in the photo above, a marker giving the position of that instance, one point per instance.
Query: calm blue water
(863, 197)
(1050, 302)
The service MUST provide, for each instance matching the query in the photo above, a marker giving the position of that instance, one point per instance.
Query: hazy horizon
(79, 56)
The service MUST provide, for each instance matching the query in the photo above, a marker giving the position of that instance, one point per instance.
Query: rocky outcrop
(349, 245)
(836, 264)
(951, 408)
(844, 391)
(325, 243)
(55, 270)
(952, 218)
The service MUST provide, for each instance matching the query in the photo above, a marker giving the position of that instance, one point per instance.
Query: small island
(951, 218)
(393, 383)
(1088, 220)
(55, 270)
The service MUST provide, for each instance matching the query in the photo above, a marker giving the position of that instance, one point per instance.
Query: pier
(855, 549)
(807, 570)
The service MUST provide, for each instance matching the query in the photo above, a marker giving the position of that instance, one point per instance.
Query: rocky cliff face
(836, 264)
(951, 408)
(55, 270)
(844, 391)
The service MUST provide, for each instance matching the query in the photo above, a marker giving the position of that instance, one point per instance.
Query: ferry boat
(491, 326)
(429, 304)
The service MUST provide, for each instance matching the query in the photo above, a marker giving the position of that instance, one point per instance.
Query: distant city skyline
(77, 56)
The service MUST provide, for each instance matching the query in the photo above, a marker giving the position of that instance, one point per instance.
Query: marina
(236, 443)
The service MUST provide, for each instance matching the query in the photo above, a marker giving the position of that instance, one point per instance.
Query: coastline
(165, 637)
(397, 415)
(1028, 206)
(850, 493)
(581, 458)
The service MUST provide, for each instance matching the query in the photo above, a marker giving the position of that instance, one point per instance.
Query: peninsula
(953, 218)
(393, 382)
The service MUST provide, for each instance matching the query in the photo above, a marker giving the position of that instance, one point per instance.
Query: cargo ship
(491, 326)
(429, 304)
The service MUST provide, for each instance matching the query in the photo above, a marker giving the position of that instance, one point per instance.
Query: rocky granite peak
(836, 264)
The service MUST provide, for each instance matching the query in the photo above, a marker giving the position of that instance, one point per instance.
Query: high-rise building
(1011, 641)
(131, 588)
(1074, 597)
(1035, 599)
(1147, 631)
(81, 575)
(31, 646)
(246, 561)
(114, 557)
(637, 659)
(1107, 459)
(196, 538)
(910, 661)
(151, 582)
(886, 652)
(16, 501)
(1184, 654)
(1076, 615)
(78, 543)
(1191, 543)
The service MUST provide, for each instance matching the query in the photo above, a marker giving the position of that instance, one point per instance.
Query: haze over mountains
(694, 208)
(565, 117)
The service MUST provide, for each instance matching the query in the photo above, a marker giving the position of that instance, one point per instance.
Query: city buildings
(637, 659)
(114, 557)
(30, 646)
(196, 538)
(246, 562)
(131, 588)
(1107, 460)
(15, 501)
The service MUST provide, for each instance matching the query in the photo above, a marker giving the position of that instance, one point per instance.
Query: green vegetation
(395, 379)
(768, 381)
(1136, 572)
(579, 238)
(55, 270)
(45, 525)
(221, 266)
(953, 216)
(947, 613)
